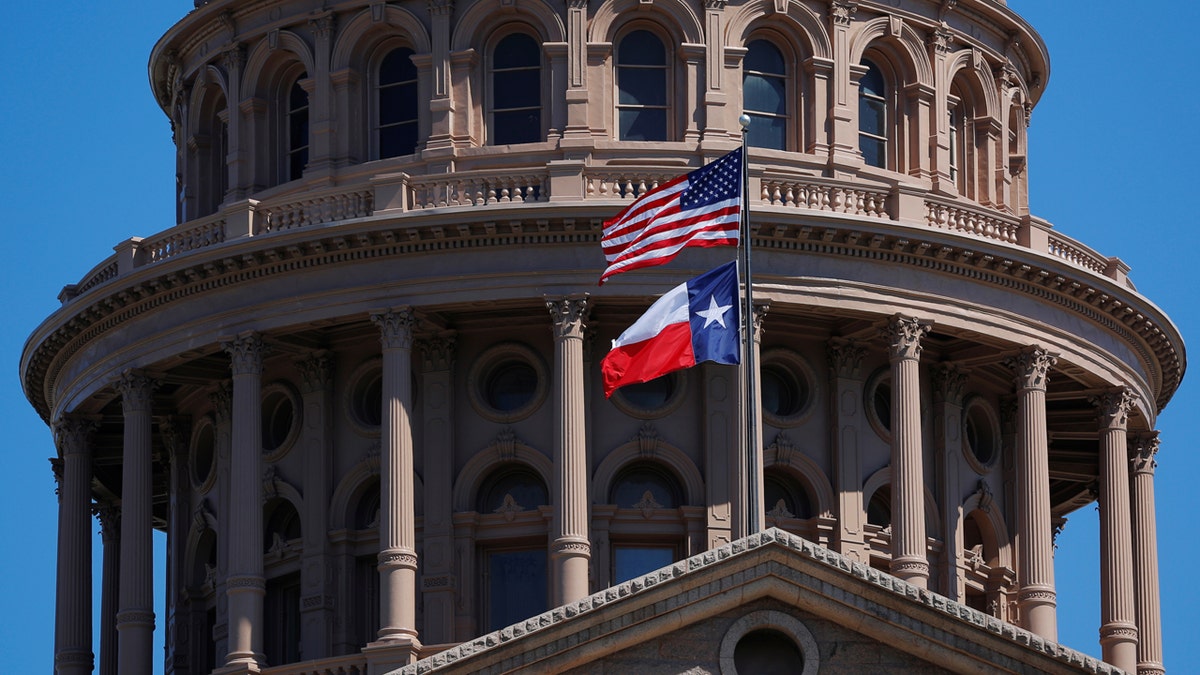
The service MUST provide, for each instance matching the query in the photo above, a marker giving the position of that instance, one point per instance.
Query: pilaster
(316, 442)
(846, 424)
(439, 585)
(948, 383)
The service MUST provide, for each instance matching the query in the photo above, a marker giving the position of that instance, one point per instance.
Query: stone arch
(484, 17)
(501, 451)
(994, 527)
(676, 17)
(653, 449)
(202, 521)
(773, 620)
(360, 35)
(969, 65)
(798, 23)
(351, 487)
(808, 471)
(884, 477)
(905, 45)
(265, 63)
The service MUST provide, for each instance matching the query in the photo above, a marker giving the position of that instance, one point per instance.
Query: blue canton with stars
(714, 317)
(713, 183)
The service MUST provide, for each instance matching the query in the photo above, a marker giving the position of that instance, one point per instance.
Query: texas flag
(694, 322)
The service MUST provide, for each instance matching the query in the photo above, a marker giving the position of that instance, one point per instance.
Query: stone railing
(479, 188)
(820, 195)
(184, 238)
(978, 222)
(105, 271)
(625, 183)
(317, 209)
(351, 664)
(1077, 254)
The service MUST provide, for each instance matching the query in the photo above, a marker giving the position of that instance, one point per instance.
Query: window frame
(669, 124)
(288, 118)
(788, 79)
(490, 71)
(382, 53)
(884, 101)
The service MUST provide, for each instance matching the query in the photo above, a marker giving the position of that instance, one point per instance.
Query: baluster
(789, 195)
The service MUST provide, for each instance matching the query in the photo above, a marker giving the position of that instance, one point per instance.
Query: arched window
(645, 485)
(764, 90)
(784, 497)
(954, 115)
(512, 487)
(879, 509)
(297, 129)
(642, 87)
(872, 116)
(516, 115)
(397, 104)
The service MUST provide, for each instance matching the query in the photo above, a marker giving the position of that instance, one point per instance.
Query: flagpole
(752, 517)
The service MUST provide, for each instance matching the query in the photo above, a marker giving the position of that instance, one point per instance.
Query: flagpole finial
(744, 120)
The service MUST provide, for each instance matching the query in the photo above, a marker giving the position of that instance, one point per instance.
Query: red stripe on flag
(643, 361)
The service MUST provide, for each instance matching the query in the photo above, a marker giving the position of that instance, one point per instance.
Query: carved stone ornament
(137, 391)
(903, 335)
(395, 327)
(942, 39)
(842, 11)
(437, 352)
(1031, 366)
(398, 559)
(316, 371)
(647, 504)
(509, 508)
(1113, 408)
(257, 583)
(109, 515)
(571, 546)
(569, 315)
(784, 449)
(760, 313)
(505, 444)
(246, 354)
(441, 7)
(647, 440)
(844, 357)
(949, 381)
(714, 5)
(986, 500)
(71, 433)
(202, 516)
(233, 58)
(322, 26)
(1142, 449)
(779, 511)
(222, 403)
(945, 9)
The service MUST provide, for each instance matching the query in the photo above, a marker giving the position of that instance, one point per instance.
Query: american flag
(701, 208)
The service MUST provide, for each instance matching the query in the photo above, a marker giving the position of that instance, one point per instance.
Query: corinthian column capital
(1032, 366)
(569, 314)
(71, 433)
(903, 335)
(246, 354)
(1142, 450)
(137, 391)
(949, 380)
(844, 356)
(395, 327)
(1113, 408)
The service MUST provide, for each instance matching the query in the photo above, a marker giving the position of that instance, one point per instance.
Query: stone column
(238, 162)
(1145, 554)
(438, 583)
(441, 103)
(135, 613)
(909, 559)
(1118, 630)
(747, 475)
(397, 528)
(73, 594)
(316, 441)
(110, 537)
(1035, 549)
(948, 383)
(846, 395)
(324, 125)
(571, 548)
(173, 430)
(844, 155)
(245, 586)
(940, 42)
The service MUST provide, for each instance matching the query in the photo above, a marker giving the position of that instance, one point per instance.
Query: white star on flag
(714, 314)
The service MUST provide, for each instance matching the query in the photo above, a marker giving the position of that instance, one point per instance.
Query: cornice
(105, 308)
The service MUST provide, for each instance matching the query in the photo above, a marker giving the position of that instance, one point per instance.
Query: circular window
(785, 386)
(507, 383)
(648, 400)
(204, 448)
(767, 652)
(878, 394)
(981, 438)
(364, 398)
(280, 420)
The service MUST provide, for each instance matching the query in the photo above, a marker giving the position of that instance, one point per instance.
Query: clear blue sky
(89, 162)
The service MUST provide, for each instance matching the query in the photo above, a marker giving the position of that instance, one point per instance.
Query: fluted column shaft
(245, 587)
(1035, 567)
(73, 597)
(909, 561)
(135, 611)
(110, 536)
(571, 549)
(1118, 630)
(397, 526)
(1145, 556)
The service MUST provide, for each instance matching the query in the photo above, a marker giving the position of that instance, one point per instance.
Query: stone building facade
(357, 382)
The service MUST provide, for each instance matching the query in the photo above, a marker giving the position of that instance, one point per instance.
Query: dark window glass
(297, 129)
(645, 485)
(368, 399)
(516, 91)
(510, 386)
(767, 652)
(641, 88)
(522, 485)
(278, 416)
(650, 395)
(764, 88)
(781, 490)
(397, 104)
(281, 522)
(366, 514)
(882, 401)
(879, 509)
(872, 117)
(783, 394)
(281, 620)
(634, 561)
(516, 586)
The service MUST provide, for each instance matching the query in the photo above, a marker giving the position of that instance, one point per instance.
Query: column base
(1118, 643)
(913, 570)
(70, 662)
(1039, 611)
(384, 656)
(240, 668)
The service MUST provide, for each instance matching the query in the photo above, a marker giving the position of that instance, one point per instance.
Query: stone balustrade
(187, 237)
(822, 195)
(479, 189)
(351, 664)
(975, 221)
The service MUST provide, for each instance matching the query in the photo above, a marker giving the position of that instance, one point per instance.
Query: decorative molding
(405, 559)
(647, 440)
(759, 314)
(505, 444)
(109, 516)
(949, 381)
(1032, 366)
(316, 371)
(842, 11)
(137, 391)
(246, 582)
(942, 39)
(322, 26)
(783, 447)
(437, 352)
(395, 327)
(569, 315)
(509, 508)
(246, 354)
(1113, 408)
(72, 432)
(903, 335)
(441, 7)
(844, 357)
(1142, 450)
